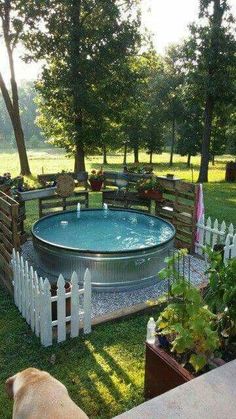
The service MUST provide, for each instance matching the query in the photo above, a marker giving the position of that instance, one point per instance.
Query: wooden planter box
(162, 372)
(37, 193)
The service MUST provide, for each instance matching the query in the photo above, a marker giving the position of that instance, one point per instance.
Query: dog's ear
(9, 386)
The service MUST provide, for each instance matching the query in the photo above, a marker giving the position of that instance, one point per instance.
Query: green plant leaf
(198, 361)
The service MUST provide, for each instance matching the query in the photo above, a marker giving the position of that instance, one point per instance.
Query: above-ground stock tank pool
(123, 249)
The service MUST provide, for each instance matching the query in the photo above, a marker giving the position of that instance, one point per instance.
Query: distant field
(220, 197)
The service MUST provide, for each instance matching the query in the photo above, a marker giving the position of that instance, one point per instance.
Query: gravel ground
(103, 303)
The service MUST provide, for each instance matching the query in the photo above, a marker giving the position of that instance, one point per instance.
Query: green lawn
(220, 197)
(104, 372)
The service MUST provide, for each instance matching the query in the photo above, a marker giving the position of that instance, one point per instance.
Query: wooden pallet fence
(32, 296)
(10, 236)
(210, 233)
(54, 204)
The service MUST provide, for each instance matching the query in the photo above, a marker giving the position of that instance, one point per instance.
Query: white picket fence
(211, 233)
(33, 298)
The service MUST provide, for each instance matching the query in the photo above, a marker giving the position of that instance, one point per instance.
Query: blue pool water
(103, 231)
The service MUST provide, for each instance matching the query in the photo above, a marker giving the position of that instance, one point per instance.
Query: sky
(167, 20)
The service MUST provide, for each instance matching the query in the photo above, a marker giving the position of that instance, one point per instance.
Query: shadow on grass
(163, 166)
(103, 372)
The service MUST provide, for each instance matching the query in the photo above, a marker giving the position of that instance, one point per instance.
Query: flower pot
(151, 194)
(96, 185)
(54, 303)
(163, 341)
(37, 193)
(162, 372)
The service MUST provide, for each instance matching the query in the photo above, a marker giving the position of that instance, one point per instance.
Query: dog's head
(25, 377)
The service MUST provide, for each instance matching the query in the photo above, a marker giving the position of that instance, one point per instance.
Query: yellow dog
(38, 395)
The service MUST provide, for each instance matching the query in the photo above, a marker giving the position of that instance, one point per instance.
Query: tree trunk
(14, 115)
(213, 159)
(172, 143)
(136, 159)
(203, 173)
(104, 155)
(75, 41)
(79, 159)
(19, 136)
(210, 102)
(189, 160)
(151, 154)
(12, 103)
(125, 154)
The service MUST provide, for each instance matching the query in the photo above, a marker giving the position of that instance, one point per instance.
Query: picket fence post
(37, 304)
(14, 269)
(233, 249)
(87, 302)
(213, 233)
(75, 319)
(18, 280)
(27, 292)
(46, 314)
(61, 309)
(230, 247)
(32, 296)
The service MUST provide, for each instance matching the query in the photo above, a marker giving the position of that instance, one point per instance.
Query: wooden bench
(123, 199)
(54, 204)
(112, 178)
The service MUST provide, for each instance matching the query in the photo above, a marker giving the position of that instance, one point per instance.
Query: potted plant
(150, 188)
(139, 169)
(96, 179)
(187, 337)
(7, 183)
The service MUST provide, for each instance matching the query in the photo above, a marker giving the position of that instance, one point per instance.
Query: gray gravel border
(104, 302)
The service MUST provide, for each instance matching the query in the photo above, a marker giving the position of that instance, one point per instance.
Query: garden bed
(162, 372)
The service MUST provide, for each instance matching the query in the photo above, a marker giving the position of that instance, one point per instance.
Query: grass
(220, 197)
(104, 371)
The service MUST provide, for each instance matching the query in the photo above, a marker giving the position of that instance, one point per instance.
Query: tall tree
(171, 88)
(190, 125)
(137, 113)
(12, 26)
(86, 45)
(209, 62)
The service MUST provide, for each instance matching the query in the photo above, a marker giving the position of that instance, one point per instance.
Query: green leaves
(221, 295)
(187, 322)
(87, 48)
(198, 362)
